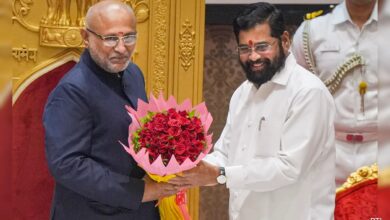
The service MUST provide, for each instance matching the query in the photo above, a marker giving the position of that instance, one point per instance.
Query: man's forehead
(252, 41)
(113, 26)
(102, 18)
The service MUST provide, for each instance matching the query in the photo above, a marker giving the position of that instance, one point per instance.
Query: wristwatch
(221, 179)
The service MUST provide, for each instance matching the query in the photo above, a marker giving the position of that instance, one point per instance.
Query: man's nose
(253, 55)
(120, 46)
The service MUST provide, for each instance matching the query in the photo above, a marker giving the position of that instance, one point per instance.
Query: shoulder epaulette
(314, 14)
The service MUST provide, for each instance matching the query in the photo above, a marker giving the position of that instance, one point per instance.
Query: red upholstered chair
(357, 198)
(32, 184)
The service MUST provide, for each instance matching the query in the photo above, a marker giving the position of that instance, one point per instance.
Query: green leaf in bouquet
(149, 116)
(136, 140)
(191, 114)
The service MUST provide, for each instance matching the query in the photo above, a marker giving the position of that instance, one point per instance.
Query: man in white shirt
(276, 152)
(346, 38)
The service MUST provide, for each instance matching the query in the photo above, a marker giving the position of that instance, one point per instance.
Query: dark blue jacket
(84, 119)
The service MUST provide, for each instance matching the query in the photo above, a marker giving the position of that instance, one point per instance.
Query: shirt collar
(283, 75)
(87, 59)
(374, 14)
(341, 14)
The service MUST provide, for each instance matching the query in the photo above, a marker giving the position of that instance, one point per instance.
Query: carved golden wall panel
(5, 59)
(60, 23)
(159, 46)
(190, 51)
(169, 49)
(186, 45)
(24, 53)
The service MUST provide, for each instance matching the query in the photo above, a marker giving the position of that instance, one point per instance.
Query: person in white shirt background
(276, 153)
(341, 48)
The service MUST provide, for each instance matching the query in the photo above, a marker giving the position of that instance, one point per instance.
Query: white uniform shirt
(278, 148)
(333, 39)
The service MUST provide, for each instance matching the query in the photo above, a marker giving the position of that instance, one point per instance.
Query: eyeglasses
(261, 47)
(113, 40)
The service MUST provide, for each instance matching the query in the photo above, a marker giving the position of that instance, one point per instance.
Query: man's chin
(259, 77)
(116, 67)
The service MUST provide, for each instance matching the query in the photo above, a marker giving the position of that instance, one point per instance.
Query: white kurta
(278, 148)
(333, 39)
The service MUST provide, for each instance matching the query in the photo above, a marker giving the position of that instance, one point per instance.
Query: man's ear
(286, 41)
(84, 35)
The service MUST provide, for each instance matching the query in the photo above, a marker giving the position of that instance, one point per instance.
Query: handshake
(204, 174)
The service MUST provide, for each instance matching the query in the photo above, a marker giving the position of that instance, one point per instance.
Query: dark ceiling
(224, 14)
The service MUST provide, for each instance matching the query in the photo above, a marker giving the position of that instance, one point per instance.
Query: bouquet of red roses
(166, 138)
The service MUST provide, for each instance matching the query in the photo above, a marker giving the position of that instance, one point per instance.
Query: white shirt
(333, 39)
(277, 148)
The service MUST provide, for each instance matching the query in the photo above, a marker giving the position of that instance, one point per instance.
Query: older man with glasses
(276, 153)
(84, 119)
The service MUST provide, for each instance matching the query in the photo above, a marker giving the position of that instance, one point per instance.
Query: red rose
(174, 123)
(174, 131)
(184, 120)
(180, 149)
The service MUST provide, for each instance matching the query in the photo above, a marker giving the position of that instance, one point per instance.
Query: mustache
(259, 61)
(120, 57)
(117, 55)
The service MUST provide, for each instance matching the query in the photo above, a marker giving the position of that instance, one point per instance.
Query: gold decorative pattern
(58, 13)
(362, 174)
(160, 47)
(141, 9)
(60, 37)
(333, 82)
(26, 78)
(187, 45)
(57, 28)
(20, 53)
(309, 59)
(21, 8)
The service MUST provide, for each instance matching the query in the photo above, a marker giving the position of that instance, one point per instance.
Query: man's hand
(204, 174)
(154, 191)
